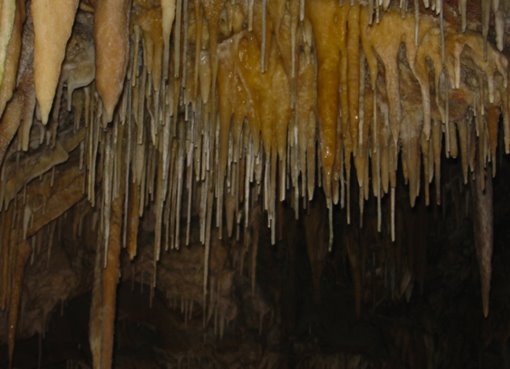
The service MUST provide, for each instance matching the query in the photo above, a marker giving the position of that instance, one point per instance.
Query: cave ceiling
(144, 127)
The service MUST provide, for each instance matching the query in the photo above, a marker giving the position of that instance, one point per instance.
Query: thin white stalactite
(177, 38)
(463, 14)
(500, 29)
(417, 22)
(264, 37)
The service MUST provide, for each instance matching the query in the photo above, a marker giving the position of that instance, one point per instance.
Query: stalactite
(111, 35)
(389, 58)
(104, 295)
(109, 287)
(150, 23)
(7, 17)
(226, 107)
(463, 14)
(493, 114)
(323, 16)
(440, 10)
(92, 150)
(52, 30)
(168, 16)
(107, 191)
(500, 29)
(10, 63)
(264, 43)
(437, 138)
(212, 11)
(353, 81)
(177, 39)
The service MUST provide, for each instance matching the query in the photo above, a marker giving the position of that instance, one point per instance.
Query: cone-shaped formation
(7, 18)
(52, 29)
(111, 30)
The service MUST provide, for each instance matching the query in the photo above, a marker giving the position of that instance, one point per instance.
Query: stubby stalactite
(197, 114)
(111, 24)
(52, 30)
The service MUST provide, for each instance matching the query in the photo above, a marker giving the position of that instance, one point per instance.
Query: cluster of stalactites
(260, 87)
(197, 109)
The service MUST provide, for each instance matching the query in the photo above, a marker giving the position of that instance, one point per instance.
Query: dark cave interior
(430, 320)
